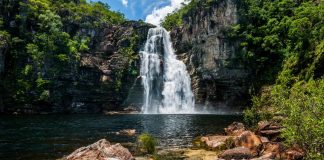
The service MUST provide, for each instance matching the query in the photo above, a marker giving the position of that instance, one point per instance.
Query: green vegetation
(282, 42)
(147, 143)
(45, 39)
(176, 18)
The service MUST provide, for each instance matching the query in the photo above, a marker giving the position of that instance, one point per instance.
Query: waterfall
(167, 85)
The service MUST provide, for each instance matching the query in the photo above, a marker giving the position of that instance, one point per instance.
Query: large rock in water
(101, 150)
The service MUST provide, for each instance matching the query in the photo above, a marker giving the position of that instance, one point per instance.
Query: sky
(151, 11)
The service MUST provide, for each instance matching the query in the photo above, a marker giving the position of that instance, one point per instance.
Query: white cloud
(158, 14)
(125, 2)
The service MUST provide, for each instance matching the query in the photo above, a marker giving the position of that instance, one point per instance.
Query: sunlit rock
(236, 153)
(101, 150)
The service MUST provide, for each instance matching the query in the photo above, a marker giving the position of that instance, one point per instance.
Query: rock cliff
(219, 79)
(3, 52)
(102, 79)
(107, 74)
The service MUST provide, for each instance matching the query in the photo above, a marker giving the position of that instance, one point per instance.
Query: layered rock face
(3, 51)
(219, 80)
(105, 78)
(107, 74)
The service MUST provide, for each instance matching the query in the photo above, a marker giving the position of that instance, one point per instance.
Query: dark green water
(39, 137)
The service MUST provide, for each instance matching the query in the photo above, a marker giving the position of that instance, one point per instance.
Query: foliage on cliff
(175, 19)
(45, 40)
(282, 42)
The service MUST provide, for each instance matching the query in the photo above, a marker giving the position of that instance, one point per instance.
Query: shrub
(147, 143)
(304, 109)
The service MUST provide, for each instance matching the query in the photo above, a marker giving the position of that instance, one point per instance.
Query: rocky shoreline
(237, 142)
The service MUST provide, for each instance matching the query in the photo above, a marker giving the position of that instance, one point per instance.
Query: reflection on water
(52, 136)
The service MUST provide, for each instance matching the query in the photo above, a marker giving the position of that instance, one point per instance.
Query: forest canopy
(46, 38)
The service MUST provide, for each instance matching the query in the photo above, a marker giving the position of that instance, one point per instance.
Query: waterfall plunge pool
(38, 137)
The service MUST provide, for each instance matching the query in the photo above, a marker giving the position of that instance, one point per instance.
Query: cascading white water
(167, 85)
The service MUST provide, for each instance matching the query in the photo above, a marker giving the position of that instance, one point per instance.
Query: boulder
(127, 132)
(235, 129)
(249, 140)
(236, 153)
(274, 149)
(218, 142)
(101, 150)
(270, 130)
(264, 140)
(294, 154)
(265, 157)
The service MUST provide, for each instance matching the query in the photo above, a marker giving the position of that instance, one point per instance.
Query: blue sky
(151, 11)
(135, 9)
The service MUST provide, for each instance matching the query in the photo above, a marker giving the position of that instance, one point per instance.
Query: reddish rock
(270, 130)
(236, 153)
(235, 129)
(273, 148)
(265, 157)
(217, 141)
(101, 150)
(294, 154)
(249, 140)
(264, 139)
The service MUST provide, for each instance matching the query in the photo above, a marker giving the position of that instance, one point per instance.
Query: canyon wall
(107, 74)
(101, 80)
(219, 79)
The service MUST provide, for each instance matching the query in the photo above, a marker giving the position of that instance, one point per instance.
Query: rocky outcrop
(103, 80)
(107, 73)
(219, 79)
(250, 145)
(235, 129)
(271, 130)
(101, 150)
(249, 140)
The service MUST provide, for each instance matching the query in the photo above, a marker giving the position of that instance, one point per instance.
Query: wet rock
(132, 109)
(127, 132)
(218, 142)
(236, 153)
(270, 130)
(249, 140)
(101, 150)
(235, 129)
